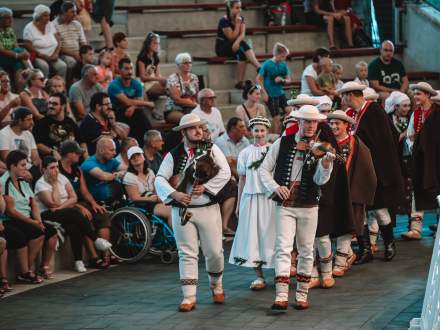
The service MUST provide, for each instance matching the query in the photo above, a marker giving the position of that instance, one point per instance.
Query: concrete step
(227, 111)
(204, 44)
(188, 19)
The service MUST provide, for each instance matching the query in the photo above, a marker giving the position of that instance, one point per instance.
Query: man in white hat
(373, 127)
(422, 138)
(206, 222)
(362, 183)
(292, 175)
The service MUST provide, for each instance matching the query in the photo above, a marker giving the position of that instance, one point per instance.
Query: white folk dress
(254, 242)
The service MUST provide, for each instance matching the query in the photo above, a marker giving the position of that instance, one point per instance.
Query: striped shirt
(72, 35)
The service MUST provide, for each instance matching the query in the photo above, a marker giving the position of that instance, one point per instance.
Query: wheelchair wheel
(130, 234)
(168, 257)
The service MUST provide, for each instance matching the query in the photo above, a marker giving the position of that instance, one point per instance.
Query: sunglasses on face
(4, 81)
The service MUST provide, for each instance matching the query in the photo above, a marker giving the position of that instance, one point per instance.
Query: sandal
(98, 263)
(4, 285)
(46, 273)
(29, 278)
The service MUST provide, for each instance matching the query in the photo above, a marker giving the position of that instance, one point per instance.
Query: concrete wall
(422, 34)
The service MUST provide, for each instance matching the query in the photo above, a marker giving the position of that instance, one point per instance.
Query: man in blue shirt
(126, 95)
(273, 75)
(101, 170)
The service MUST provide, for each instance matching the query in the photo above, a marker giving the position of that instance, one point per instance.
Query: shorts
(277, 105)
(224, 49)
(103, 9)
(19, 233)
(228, 191)
(100, 220)
(147, 206)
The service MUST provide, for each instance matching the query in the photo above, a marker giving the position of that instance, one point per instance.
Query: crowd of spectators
(73, 127)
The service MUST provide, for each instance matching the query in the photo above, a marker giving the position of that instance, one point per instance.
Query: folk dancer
(424, 142)
(373, 127)
(362, 182)
(254, 243)
(292, 175)
(206, 223)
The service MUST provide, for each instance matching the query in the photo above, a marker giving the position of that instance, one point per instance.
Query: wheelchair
(136, 233)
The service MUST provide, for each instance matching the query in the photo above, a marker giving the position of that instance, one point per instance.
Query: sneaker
(102, 244)
(79, 266)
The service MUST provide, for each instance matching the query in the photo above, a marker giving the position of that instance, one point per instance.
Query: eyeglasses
(53, 103)
(39, 78)
(388, 50)
(107, 104)
(6, 81)
(186, 63)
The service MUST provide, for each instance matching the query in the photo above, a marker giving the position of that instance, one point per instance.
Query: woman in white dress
(254, 243)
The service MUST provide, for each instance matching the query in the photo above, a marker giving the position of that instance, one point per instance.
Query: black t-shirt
(91, 130)
(388, 75)
(74, 178)
(147, 60)
(52, 133)
(221, 39)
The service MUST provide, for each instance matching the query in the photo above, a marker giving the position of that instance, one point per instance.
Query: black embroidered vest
(308, 192)
(180, 158)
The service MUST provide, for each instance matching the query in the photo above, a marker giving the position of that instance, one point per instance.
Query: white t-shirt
(43, 185)
(3, 103)
(11, 141)
(308, 71)
(131, 179)
(214, 119)
(44, 43)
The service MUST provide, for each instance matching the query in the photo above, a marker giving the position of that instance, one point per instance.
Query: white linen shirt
(229, 147)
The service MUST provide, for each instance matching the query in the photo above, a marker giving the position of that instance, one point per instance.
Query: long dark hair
(143, 54)
(132, 170)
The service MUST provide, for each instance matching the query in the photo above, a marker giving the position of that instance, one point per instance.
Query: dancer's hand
(283, 192)
(181, 197)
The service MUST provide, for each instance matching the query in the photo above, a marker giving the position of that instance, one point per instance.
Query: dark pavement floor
(145, 295)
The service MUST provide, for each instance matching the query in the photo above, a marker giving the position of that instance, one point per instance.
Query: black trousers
(18, 233)
(138, 123)
(76, 226)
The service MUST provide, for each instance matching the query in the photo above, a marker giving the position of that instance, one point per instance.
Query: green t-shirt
(388, 75)
(22, 197)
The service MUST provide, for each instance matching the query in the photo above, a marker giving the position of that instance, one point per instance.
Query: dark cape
(335, 217)
(426, 163)
(362, 180)
(375, 131)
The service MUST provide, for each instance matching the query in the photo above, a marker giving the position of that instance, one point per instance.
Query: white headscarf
(40, 10)
(325, 102)
(395, 98)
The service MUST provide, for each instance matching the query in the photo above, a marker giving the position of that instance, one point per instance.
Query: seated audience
(56, 84)
(182, 88)
(147, 67)
(126, 95)
(40, 39)
(153, 145)
(24, 216)
(8, 100)
(71, 35)
(69, 166)
(17, 136)
(101, 170)
(327, 80)
(105, 74)
(12, 57)
(34, 97)
(126, 144)
(338, 70)
(386, 73)
(208, 112)
(251, 107)
(139, 185)
(323, 12)
(56, 128)
(232, 142)
(230, 41)
(120, 43)
(309, 76)
(85, 57)
(362, 73)
(81, 92)
(57, 200)
(97, 124)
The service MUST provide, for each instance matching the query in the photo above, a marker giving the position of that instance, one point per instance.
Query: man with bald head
(386, 73)
(101, 170)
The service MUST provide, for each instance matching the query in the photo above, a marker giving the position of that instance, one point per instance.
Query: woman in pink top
(105, 74)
